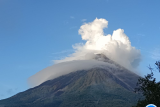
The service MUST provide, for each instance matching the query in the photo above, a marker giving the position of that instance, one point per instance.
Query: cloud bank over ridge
(63, 68)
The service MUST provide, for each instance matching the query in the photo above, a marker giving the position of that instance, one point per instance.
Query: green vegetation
(149, 88)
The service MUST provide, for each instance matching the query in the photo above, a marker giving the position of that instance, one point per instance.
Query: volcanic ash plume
(116, 46)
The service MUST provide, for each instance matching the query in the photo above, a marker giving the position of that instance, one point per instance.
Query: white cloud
(139, 37)
(83, 20)
(65, 22)
(116, 46)
(62, 52)
(155, 54)
(72, 17)
(7, 91)
(57, 70)
(73, 27)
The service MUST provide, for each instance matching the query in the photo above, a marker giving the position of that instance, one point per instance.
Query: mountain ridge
(97, 87)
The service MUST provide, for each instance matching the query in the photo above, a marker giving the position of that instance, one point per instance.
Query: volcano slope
(96, 87)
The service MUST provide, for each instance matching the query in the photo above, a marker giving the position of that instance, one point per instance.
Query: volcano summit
(101, 83)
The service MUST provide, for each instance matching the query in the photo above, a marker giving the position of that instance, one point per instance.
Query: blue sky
(35, 32)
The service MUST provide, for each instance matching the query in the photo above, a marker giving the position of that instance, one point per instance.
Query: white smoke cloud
(116, 47)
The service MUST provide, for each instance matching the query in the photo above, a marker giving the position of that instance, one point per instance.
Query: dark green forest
(149, 88)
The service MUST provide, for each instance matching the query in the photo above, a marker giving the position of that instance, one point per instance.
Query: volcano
(107, 86)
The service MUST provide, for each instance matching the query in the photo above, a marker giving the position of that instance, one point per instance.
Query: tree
(149, 88)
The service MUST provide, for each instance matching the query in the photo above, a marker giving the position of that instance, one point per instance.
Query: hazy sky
(33, 33)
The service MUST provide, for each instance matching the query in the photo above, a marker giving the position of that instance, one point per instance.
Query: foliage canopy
(149, 88)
